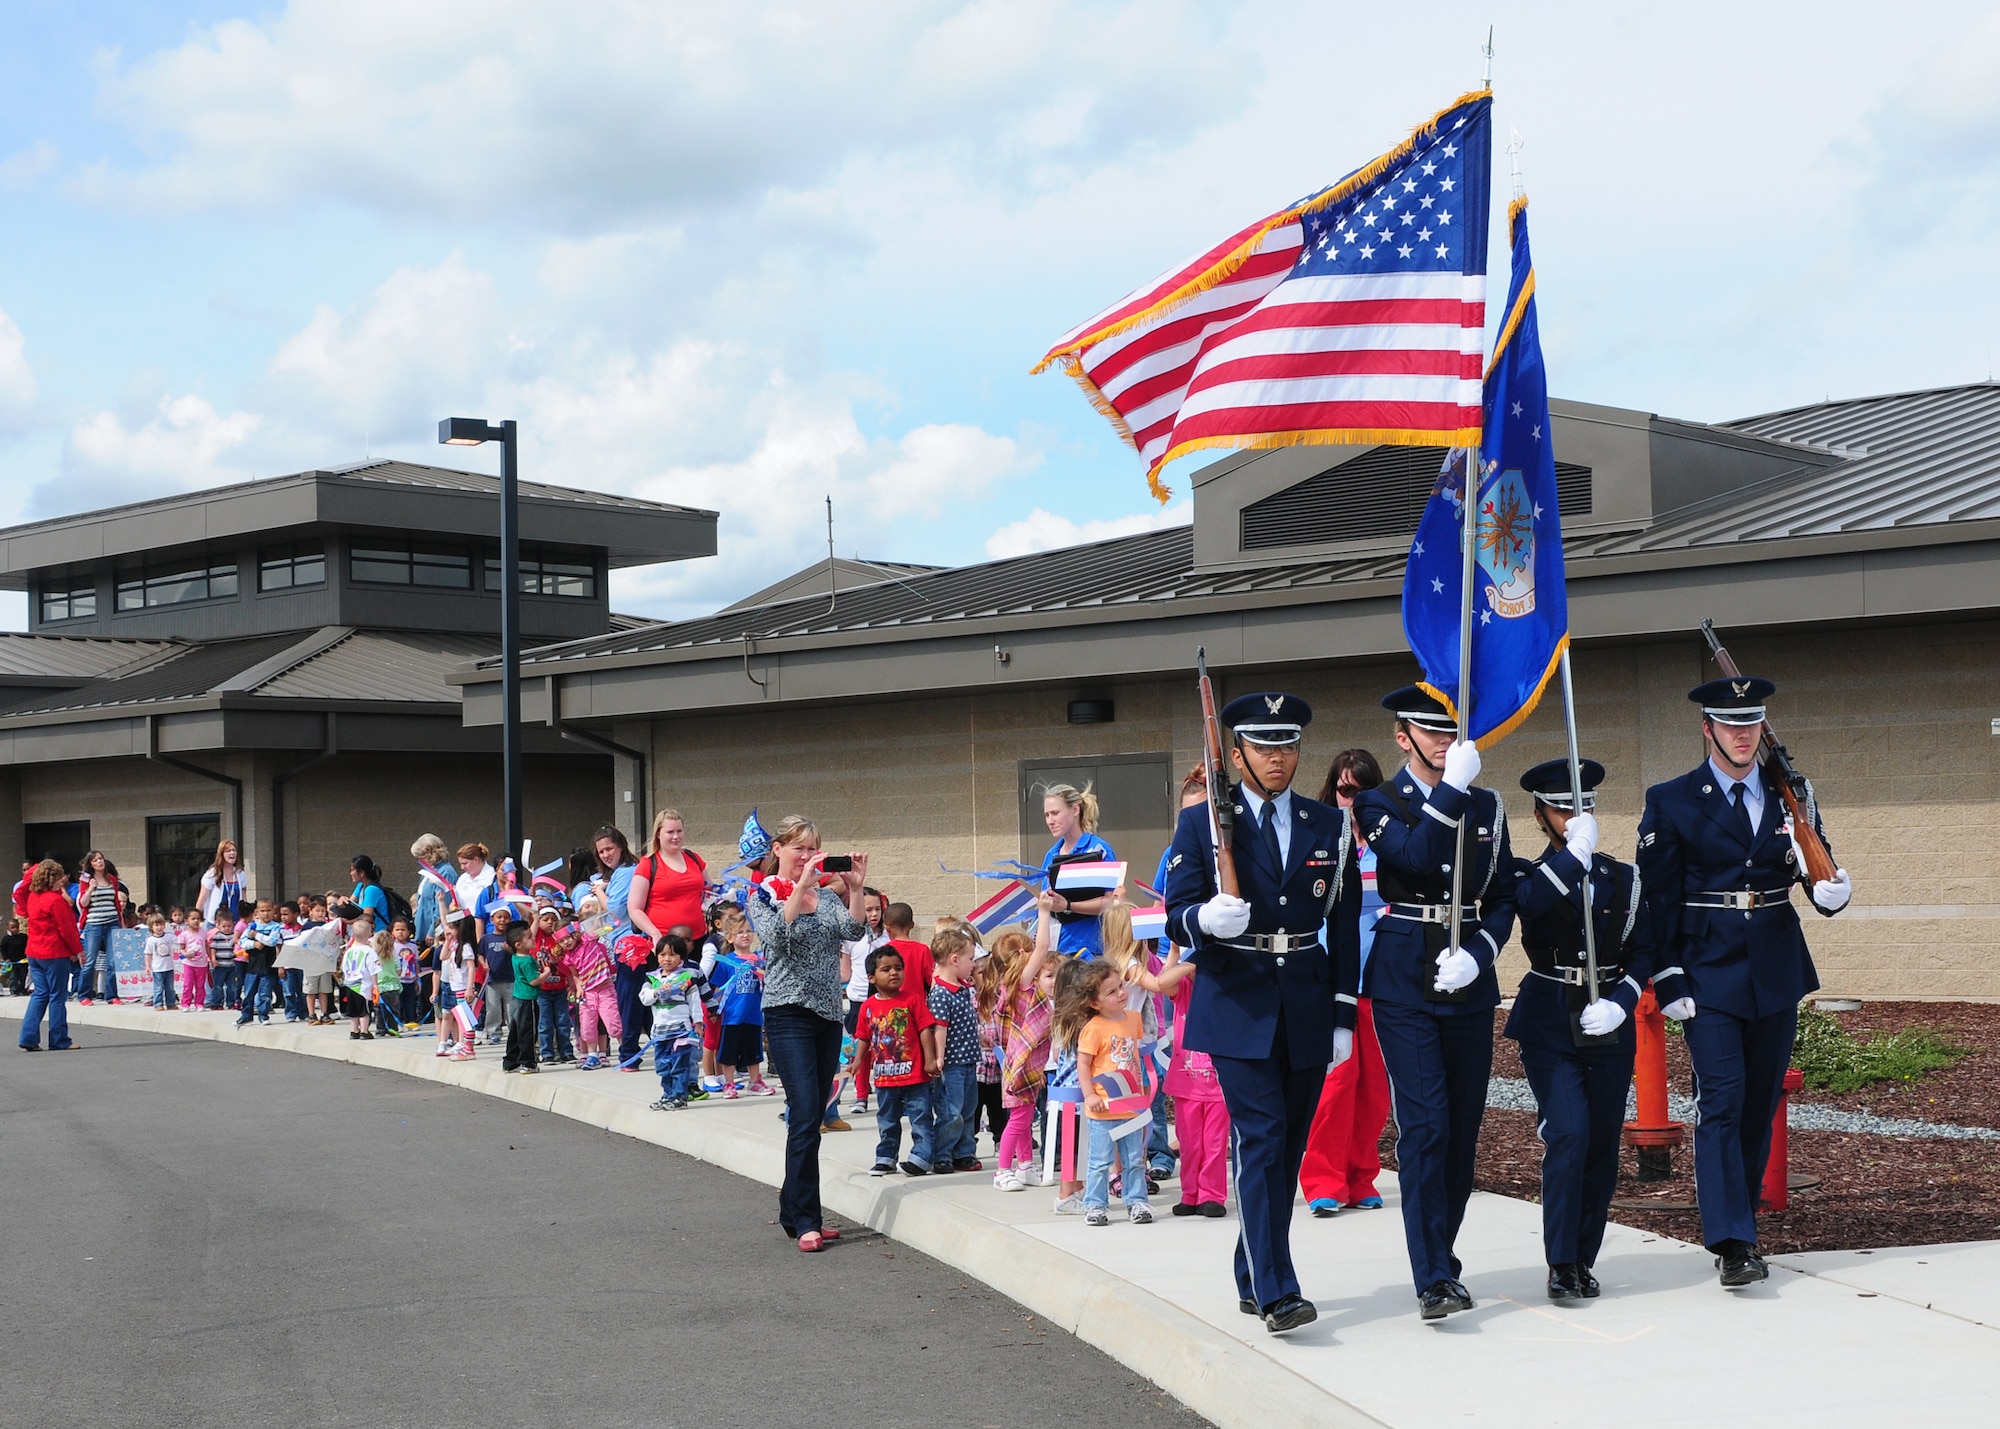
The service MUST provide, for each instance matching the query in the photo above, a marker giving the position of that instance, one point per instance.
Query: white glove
(1602, 1016)
(1224, 916)
(1343, 1047)
(1679, 1010)
(1581, 837)
(1831, 894)
(1456, 969)
(1461, 764)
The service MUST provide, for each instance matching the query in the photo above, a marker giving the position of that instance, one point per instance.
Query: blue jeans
(227, 989)
(295, 994)
(955, 1104)
(552, 1017)
(805, 1053)
(892, 1104)
(1129, 1151)
(97, 970)
(163, 990)
(259, 991)
(48, 983)
(676, 1066)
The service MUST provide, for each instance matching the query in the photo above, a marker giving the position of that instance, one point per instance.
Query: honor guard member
(1578, 1054)
(1434, 995)
(1274, 1005)
(1718, 862)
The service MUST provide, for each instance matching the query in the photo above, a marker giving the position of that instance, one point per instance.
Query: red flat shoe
(828, 1233)
(812, 1241)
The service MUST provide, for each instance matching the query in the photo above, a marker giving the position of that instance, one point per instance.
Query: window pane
(82, 603)
(172, 590)
(274, 575)
(385, 567)
(568, 579)
(131, 595)
(55, 605)
(442, 568)
(492, 574)
(311, 570)
(222, 581)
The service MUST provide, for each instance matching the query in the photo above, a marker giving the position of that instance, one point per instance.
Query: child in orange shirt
(1114, 1066)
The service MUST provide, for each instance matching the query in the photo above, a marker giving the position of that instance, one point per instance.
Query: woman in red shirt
(668, 884)
(54, 945)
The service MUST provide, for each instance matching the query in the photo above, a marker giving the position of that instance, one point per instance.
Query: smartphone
(837, 863)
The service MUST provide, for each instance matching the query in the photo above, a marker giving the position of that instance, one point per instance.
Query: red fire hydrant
(1652, 1135)
(1778, 1168)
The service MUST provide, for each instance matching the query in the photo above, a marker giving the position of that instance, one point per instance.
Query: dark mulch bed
(1873, 1190)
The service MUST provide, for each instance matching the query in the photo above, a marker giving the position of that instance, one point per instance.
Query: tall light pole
(471, 432)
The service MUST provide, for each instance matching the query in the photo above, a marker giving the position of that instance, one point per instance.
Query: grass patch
(1834, 1061)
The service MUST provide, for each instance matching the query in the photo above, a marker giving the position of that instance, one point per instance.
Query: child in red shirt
(901, 1047)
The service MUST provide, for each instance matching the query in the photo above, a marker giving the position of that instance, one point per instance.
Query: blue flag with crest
(1520, 611)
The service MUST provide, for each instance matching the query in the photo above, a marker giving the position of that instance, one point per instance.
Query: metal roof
(1906, 461)
(376, 665)
(196, 671)
(61, 659)
(447, 478)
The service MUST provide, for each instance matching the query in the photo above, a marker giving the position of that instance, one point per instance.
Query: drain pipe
(235, 785)
(329, 745)
(641, 830)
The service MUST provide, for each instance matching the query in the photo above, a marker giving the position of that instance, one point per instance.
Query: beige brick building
(1850, 552)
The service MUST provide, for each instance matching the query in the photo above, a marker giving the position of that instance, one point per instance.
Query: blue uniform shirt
(1548, 896)
(1085, 936)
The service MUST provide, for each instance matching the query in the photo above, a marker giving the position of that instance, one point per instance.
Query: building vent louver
(1378, 495)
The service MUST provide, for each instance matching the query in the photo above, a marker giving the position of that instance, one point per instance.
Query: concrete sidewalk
(1833, 1339)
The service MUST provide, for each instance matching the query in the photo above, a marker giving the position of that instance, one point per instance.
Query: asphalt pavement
(203, 1234)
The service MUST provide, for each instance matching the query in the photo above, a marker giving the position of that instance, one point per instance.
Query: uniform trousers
(1271, 1106)
(1438, 1066)
(1580, 1116)
(1739, 1075)
(1344, 1152)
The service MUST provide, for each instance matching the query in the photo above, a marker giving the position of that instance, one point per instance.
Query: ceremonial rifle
(1791, 783)
(1221, 813)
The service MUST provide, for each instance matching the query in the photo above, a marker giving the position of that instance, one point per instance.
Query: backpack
(399, 906)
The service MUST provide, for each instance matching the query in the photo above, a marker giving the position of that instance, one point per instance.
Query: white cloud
(570, 117)
(17, 379)
(184, 445)
(1042, 530)
(27, 166)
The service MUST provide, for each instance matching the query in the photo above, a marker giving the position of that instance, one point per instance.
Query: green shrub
(1836, 1062)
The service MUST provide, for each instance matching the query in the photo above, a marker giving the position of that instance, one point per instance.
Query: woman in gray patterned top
(801, 925)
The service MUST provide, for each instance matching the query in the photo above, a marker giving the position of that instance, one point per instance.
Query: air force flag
(1519, 610)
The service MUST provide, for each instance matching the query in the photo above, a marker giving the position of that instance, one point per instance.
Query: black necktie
(1736, 796)
(1267, 831)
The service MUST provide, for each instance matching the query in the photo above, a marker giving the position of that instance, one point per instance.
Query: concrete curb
(1217, 1377)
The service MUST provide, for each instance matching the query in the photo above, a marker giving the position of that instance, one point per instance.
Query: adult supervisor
(1433, 993)
(1272, 1007)
(1719, 862)
(1577, 1054)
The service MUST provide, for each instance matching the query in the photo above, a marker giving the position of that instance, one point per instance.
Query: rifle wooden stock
(1791, 783)
(1221, 813)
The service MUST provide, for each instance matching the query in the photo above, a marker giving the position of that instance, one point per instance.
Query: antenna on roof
(1515, 144)
(832, 571)
(1487, 81)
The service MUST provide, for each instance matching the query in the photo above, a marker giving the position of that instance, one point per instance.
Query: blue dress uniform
(1437, 1047)
(1718, 888)
(1266, 1003)
(1579, 1090)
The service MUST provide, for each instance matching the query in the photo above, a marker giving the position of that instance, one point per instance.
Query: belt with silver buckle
(1277, 944)
(1578, 977)
(1430, 912)
(1742, 900)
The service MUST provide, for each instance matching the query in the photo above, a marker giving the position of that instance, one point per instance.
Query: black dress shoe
(1289, 1313)
(1214, 1210)
(1186, 1208)
(1437, 1302)
(1565, 1282)
(1587, 1282)
(1741, 1265)
(1459, 1294)
(1248, 1307)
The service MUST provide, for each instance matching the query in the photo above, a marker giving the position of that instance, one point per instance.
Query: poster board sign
(128, 958)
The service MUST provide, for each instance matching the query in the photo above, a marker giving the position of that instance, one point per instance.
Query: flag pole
(1575, 808)
(1468, 572)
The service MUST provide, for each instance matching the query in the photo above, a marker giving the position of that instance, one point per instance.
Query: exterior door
(179, 849)
(67, 843)
(1135, 795)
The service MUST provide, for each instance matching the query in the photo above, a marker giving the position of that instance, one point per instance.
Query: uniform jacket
(1548, 896)
(1414, 857)
(1748, 964)
(1234, 1009)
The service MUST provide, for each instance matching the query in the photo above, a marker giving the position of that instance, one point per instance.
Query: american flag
(1355, 316)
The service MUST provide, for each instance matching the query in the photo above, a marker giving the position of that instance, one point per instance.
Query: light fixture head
(467, 432)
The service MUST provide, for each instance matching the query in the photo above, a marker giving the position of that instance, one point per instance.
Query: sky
(746, 257)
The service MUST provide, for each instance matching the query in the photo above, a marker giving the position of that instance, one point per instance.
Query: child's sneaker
(1070, 1205)
(941, 1168)
(1139, 1215)
(444, 1050)
(1006, 1179)
(711, 1084)
(915, 1168)
(590, 1063)
(729, 1093)
(463, 1054)
(968, 1163)
(661, 1105)
(761, 1088)
(1097, 1216)
(680, 1103)
(882, 1168)
(1030, 1173)
(697, 1095)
